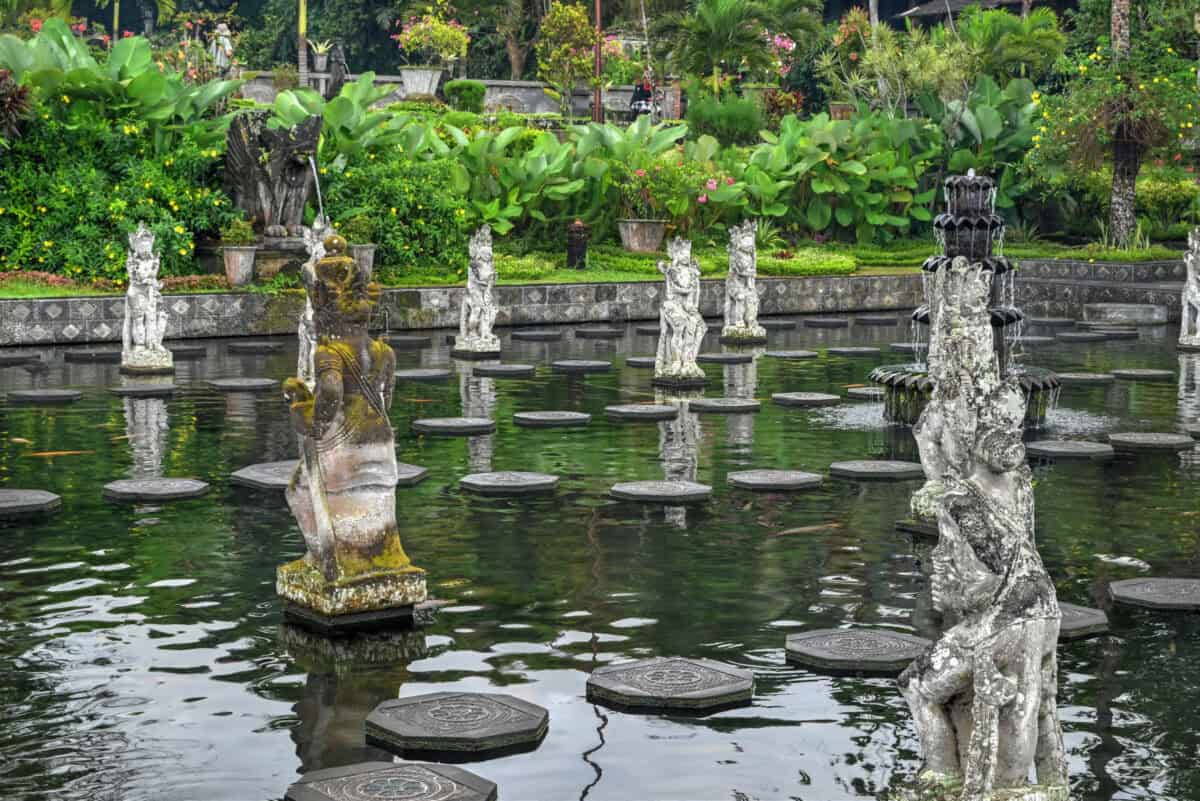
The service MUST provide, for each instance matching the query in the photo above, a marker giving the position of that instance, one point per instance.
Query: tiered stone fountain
(969, 228)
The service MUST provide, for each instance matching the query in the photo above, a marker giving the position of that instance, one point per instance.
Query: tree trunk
(1120, 29)
(873, 11)
(516, 57)
(1122, 211)
(1026, 7)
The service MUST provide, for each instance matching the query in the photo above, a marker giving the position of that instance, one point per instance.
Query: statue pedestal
(679, 382)
(144, 361)
(743, 336)
(469, 355)
(277, 255)
(382, 599)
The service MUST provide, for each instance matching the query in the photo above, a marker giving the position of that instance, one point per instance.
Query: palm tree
(1006, 44)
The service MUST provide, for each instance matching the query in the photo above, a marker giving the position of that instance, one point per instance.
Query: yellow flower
(66, 99)
(1170, 50)
(1083, 67)
(183, 251)
(1, 209)
(179, 229)
(1042, 129)
(1141, 86)
(393, 211)
(48, 244)
(1037, 138)
(150, 200)
(323, 171)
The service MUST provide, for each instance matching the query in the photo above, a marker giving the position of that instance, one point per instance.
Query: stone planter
(642, 236)
(421, 81)
(364, 257)
(320, 62)
(239, 264)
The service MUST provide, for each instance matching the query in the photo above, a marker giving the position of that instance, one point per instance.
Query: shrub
(809, 261)
(359, 230)
(530, 267)
(464, 120)
(731, 121)
(238, 232)
(285, 76)
(465, 95)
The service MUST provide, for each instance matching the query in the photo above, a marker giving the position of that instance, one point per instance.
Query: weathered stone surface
(474, 355)
(43, 396)
(504, 370)
(877, 320)
(1086, 378)
(93, 355)
(792, 355)
(776, 324)
(647, 330)
(409, 341)
(1052, 322)
(725, 358)
(805, 399)
(853, 351)
(473, 725)
(877, 470)
(144, 389)
(18, 503)
(1157, 593)
(683, 327)
(454, 426)
(478, 310)
(662, 491)
(640, 362)
(154, 489)
(551, 419)
(774, 480)
(826, 322)
(670, 683)
(1125, 313)
(1118, 333)
(509, 482)
(1080, 336)
(1127, 442)
(599, 332)
(1033, 341)
(865, 393)
(145, 322)
(647, 412)
(1081, 621)
(426, 375)
(255, 347)
(856, 650)
(1193, 429)
(387, 781)
(243, 384)
(17, 359)
(580, 366)
(409, 475)
(1143, 374)
(909, 347)
(724, 405)
(741, 292)
(538, 335)
(1057, 449)
(267, 475)
(1189, 325)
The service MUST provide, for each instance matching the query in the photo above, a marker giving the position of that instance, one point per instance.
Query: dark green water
(144, 657)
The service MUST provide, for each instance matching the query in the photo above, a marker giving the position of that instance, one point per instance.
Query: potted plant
(238, 251)
(320, 54)
(653, 193)
(433, 43)
(359, 231)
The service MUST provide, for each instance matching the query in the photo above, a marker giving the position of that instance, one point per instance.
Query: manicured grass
(14, 290)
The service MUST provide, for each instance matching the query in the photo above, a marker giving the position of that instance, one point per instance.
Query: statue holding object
(682, 328)
(145, 324)
(477, 314)
(741, 293)
(1189, 325)
(269, 171)
(306, 334)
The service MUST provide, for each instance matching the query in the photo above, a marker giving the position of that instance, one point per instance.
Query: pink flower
(711, 185)
(729, 182)
(702, 199)
(35, 24)
(640, 173)
(126, 34)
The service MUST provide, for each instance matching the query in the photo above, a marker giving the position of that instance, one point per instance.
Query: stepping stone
(648, 330)
(424, 375)
(474, 355)
(865, 393)
(1033, 342)
(92, 355)
(1193, 429)
(461, 725)
(918, 528)
(16, 359)
(672, 382)
(511, 482)
(266, 476)
(724, 405)
(1126, 313)
(409, 475)
(382, 781)
(1142, 441)
(805, 399)
(1118, 333)
(725, 358)
(1052, 322)
(826, 322)
(1081, 621)
(410, 341)
(640, 362)
(537, 335)
(1157, 593)
(672, 492)
(154, 489)
(454, 426)
(1143, 374)
(774, 480)
(1086, 378)
(853, 351)
(876, 320)
(43, 396)
(877, 470)
(908, 347)
(792, 354)
(551, 419)
(580, 366)
(601, 332)
(856, 650)
(778, 325)
(641, 411)
(188, 351)
(243, 384)
(695, 685)
(17, 503)
(504, 371)
(1081, 336)
(743, 341)
(255, 347)
(144, 390)
(1055, 449)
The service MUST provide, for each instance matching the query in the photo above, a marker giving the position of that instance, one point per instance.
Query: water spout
(320, 202)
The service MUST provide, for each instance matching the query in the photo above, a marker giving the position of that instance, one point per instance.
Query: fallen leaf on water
(853, 386)
(809, 529)
(49, 454)
(417, 400)
(123, 436)
(21, 441)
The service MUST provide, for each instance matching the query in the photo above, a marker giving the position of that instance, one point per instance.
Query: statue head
(342, 295)
(742, 244)
(483, 264)
(998, 440)
(679, 251)
(141, 242)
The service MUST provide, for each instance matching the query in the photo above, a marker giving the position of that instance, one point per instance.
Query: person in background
(221, 49)
(643, 95)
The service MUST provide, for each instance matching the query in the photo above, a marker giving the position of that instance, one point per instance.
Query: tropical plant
(1006, 45)
(238, 232)
(565, 50)
(14, 107)
(322, 47)
(432, 39)
(731, 120)
(465, 95)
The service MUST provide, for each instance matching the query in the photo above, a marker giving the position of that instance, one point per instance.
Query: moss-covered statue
(355, 573)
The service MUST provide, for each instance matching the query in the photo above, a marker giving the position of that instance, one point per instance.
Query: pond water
(145, 657)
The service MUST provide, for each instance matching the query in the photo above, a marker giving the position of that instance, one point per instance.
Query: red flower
(126, 34)
(35, 24)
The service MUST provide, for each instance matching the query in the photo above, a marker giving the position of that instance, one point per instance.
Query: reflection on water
(145, 657)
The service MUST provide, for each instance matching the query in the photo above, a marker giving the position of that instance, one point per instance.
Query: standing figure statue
(682, 328)
(221, 49)
(741, 294)
(343, 494)
(477, 314)
(306, 334)
(1189, 324)
(145, 325)
(984, 696)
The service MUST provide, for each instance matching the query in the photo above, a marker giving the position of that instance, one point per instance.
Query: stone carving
(269, 172)
(142, 350)
(741, 294)
(314, 244)
(1189, 328)
(984, 696)
(681, 328)
(344, 493)
(339, 71)
(478, 311)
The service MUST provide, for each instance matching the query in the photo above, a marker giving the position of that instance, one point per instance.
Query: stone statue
(682, 328)
(269, 171)
(741, 294)
(314, 245)
(984, 696)
(339, 71)
(344, 492)
(145, 325)
(477, 314)
(1189, 324)
(221, 49)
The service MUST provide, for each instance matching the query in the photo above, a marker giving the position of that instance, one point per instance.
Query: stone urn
(320, 62)
(421, 81)
(642, 236)
(364, 257)
(239, 264)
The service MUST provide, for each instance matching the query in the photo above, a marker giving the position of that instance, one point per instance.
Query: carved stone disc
(724, 405)
(387, 781)
(43, 396)
(409, 475)
(641, 411)
(266, 476)
(1086, 378)
(144, 389)
(425, 375)
(1145, 441)
(1081, 621)
(1143, 374)
(1157, 593)
(865, 393)
(826, 322)
(1080, 336)
(454, 426)
(853, 351)
(671, 683)
(22, 503)
(409, 341)
(640, 362)
(1068, 449)
(774, 480)
(877, 470)
(791, 354)
(538, 335)
(112, 356)
(471, 724)
(580, 366)
(504, 370)
(551, 419)
(184, 352)
(244, 384)
(725, 358)
(154, 489)
(805, 399)
(882, 320)
(1118, 333)
(255, 347)
(857, 650)
(512, 482)
(599, 332)
(672, 492)
(777, 325)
